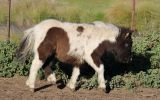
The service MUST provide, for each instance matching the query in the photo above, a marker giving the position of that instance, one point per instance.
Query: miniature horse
(74, 43)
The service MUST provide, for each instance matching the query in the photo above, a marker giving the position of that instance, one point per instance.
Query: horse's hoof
(32, 90)
(71, 89)
(52, 83)
(102, 89)
(51, 78)
(105, 90)
(71, 86)
(27, 83)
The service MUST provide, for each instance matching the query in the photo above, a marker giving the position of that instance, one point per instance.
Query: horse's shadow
(139, 63)
(112, 68)
(43, 87)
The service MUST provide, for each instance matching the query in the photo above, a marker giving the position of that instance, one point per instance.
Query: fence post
(9, 21)
(133, 20)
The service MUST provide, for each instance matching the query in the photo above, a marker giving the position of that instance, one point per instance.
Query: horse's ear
(127, 34)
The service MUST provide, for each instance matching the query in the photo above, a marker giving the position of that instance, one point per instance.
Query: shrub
(9, 65)
(150, 78)
(149, 44)
(88, 83)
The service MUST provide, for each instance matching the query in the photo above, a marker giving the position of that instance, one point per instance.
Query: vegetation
(9, 65)
(144, 71)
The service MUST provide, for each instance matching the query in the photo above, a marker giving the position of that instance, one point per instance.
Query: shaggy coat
(75, 44)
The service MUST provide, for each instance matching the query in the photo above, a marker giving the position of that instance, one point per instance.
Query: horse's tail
(26, 44)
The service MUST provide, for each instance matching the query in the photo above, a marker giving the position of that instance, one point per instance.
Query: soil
(15, 89)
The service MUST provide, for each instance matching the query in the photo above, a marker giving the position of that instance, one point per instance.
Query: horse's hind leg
(47, 55)
(36, 65)
(72, 82)
(51, 78)
(48, 63)
(49, 75)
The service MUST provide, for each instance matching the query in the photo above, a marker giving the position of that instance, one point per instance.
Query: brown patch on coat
(121, 52)
(56, 42)
(47, 49)
(100, 51)
(75, 49)
(88, 37)
(80, 29)
(55, 46)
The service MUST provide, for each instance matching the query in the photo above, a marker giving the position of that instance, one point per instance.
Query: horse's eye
(126, 45)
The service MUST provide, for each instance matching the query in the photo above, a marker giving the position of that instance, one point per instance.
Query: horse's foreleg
(101, 79)
(72, 82)
(36, 65)
(99, 68)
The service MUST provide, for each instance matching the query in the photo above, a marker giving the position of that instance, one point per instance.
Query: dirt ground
(15, 89)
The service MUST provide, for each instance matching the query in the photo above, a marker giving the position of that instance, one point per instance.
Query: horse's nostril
(128, 60)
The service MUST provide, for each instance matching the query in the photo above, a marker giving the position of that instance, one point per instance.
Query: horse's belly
(70, 59)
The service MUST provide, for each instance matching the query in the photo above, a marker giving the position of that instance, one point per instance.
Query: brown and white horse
(74, 43)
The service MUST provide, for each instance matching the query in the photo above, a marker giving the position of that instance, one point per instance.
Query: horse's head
(123, 45)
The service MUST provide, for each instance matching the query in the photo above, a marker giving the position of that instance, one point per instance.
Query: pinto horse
(75, 44)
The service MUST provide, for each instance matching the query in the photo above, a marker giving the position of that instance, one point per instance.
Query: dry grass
(3, 36)
(147, 13)
(29, 12)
